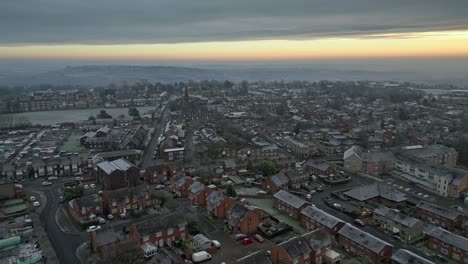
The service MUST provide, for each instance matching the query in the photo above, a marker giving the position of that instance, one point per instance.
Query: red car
(246, 241)
(259, 238)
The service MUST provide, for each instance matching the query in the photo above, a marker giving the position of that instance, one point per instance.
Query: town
(234, 172)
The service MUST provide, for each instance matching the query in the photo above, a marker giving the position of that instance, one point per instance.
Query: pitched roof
(362, 238)
(290, 199)
(89, 201)
(449, 238)
(452, 215)
(215, 198)
(279, 179)
(196, 187)
(111, 166)
(296, 247)
(396, 216)
(405, 256)
(259, 257)
(157, 224)
(317, 239)
(321, 217)
(363, 193)
(121, 194)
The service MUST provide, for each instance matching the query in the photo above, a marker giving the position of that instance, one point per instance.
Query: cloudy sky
(219, 29)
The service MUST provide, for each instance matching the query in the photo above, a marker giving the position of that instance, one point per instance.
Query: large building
(117, 174)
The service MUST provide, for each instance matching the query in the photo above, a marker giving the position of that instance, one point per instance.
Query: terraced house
(289, 203)
(123, 200)
(395, 222)
(448, 244)
(439, 216)
(218, 204)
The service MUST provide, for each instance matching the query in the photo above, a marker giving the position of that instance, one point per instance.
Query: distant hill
(102, 75)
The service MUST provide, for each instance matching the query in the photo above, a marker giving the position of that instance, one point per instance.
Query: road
(65, 245)
(147, 159)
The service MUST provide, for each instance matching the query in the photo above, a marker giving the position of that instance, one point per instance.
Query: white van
(200, 256)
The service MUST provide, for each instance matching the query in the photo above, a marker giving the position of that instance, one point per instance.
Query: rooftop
(321, 217)
(396, 216)
(452, 215)
(363, 193)
(449, 238)
(405, 256)
(290, 199)
(362, 238)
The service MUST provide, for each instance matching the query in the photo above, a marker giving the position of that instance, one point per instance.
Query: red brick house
(241, 219)
(11, 190)
(181, 186)
(431, 213)
(85, 208)
(105, 242)
(289, 203)
(448, 244)
(320, 242)
(158, 174)
(198, 193)
(360, 243)
(217, 204)
(160, 230)
(313, 218)
(292, 251)
(279, 181)
(318, 167)
(285, 164)
(117, 174)
(123, 200)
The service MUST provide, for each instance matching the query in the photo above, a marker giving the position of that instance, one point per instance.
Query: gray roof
(296, 247)
(438, 169)
(362, 238)
(196, 187)
(157, 224)
(121, 194)
(321, 217)
(258, 257)
(363, 193)
(215, 198)
(321, 165)
(317, 239)
(111, 166)
(396, 216)
(449, 238)
(106, 236)
(405, 256)
(290, 199)
(452, 215)
(280, 179)
(119, 153)
(431, 150)
(89, 201)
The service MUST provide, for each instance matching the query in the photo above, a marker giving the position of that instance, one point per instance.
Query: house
(360, 243)
(439, 216)
(296, 178)
(439, 154)
(11, 190)
(117, 174)
(279, 181)
(392, 220)
(181, 186)
(313, 218)
(105, 242)
(217, 204)
(241, 219)
(320, 243)
(403, 256)
(160, 231)
(293, 251)
(258, 257)
(448, 244)
(123, 200)
(172, 154)
(377, 193)
(285, 163)
(289, 203)
(318, 167)
(158, 174)
(86, 208)
(373, 162)
(198, 193)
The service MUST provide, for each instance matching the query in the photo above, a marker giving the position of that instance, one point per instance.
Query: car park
(246, 241)
(259, 238)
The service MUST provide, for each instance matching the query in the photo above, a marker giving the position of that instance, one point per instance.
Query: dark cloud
(169, 21)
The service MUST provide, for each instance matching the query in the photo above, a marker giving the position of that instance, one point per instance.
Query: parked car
(86, 186)
(52, 178)
(359, 222)
(92, 185)
(160, 186)
(123, 216)
(200, 256)
(246, 241)
(78, 178)
(261, 192)
(36, 204)
(259, 238)
(110, 216)
(337, 205)
(32, 199)
(240, 236)
(215, 243)
(46, 183)
(93, 228)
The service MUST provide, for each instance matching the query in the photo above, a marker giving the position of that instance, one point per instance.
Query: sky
(240, 30)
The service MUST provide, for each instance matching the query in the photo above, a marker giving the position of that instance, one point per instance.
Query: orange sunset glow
(426, 44)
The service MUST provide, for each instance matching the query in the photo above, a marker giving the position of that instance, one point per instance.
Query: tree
(298, 127)
(103, 115)
(73, 193)
(230, 191)
(132, 111)
(267, 169)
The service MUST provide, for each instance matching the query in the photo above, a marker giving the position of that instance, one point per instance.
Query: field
(53, 117)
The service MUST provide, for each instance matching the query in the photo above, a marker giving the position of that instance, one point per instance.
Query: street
(147, 158)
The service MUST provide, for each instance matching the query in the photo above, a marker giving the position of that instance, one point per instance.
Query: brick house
(448, 244)
(86, 207)
(258, 257)
(318, 167)
(158, 174)
(117, 174)
(392, 220)
(217, 204)
(403, 256)
(11, 190)
(439, 216)
(293, 251)
(105, 242)
(122, 200)
(181, 186)
(198, 193)
(279, 181)
(360, 243)
(241, 219)
(160, 230)
(289, 203)
(285, 164)
(320, 242)
(313, 218)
